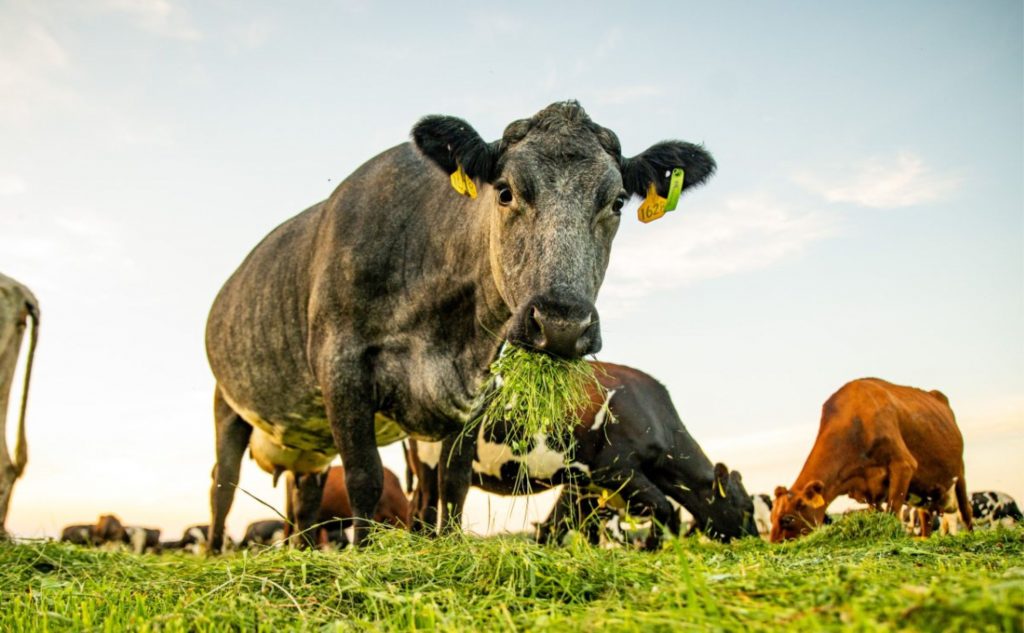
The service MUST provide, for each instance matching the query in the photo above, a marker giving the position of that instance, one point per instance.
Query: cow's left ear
(656, 163)
(812, 494)
(451, 142)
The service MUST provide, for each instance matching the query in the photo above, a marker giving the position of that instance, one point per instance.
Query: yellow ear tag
(721, 489)
(654, 206)
(816, 502)
(462, 183)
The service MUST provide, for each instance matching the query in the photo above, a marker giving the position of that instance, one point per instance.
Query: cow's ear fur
(779, 491)
(450, 142)
(657, 162)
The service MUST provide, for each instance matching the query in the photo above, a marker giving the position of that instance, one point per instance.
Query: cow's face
(730, 511)
(797, 512)
(554, 188)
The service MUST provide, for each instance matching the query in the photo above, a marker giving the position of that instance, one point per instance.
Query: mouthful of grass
(536, 393)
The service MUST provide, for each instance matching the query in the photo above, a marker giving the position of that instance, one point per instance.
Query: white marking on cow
(762, 514)
(602, 413)
(137, 538)
(429, 453)
(541, 462)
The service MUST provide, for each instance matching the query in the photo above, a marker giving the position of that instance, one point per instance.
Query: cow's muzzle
(569, 330)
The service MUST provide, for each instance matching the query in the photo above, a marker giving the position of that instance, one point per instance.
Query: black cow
(268, 532)
(81, 534)
(641, 452)
(389, 300)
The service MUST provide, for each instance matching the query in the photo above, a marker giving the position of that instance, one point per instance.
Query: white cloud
(899, 181)
(745, 233)
(160, 17)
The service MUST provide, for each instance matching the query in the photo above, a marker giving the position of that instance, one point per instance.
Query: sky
(867, 217)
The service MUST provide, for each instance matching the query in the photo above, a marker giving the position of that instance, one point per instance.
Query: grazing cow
(389, 300)
(142, 539)
(194, 540)
(267, 532)
(108, 529)
(878, 443)
(336, 511)
(629, 441)
(991, 508)
(762, 514)
(78, 534)
(17, 306)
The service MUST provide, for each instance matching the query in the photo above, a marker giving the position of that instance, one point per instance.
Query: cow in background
(630, 441)
(879, 443)
(762, 514)
(268, 532)
(336, 511)
(18, 306)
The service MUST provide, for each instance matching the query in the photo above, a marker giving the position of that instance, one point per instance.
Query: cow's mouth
(569, 330)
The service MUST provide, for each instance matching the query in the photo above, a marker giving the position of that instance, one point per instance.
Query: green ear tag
(675, 187)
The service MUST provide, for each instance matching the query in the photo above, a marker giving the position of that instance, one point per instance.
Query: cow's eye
(504, 195)
(618, 204)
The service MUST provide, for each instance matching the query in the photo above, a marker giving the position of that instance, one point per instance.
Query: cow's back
(865, 413)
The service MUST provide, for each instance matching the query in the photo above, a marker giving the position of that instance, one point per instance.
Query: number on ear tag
(462, 183)
(653, 206)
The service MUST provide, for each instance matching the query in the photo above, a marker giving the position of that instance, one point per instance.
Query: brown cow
(877, 442)
(393, 508)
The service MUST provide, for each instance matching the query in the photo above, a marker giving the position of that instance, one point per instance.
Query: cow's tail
(21, 447)
(963, 501)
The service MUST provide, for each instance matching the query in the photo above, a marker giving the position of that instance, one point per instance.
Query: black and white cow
(195, 539)
(993, 508)
(142, 539)
(377, 313)
(762, 513)
(629, 442)
(268, 532)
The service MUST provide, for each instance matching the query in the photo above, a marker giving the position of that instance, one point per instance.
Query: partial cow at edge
(883, 445)
(17, 306)
(376, 313)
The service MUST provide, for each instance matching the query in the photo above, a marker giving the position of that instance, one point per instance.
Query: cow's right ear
(812, 494)
(779, 491)
(451, 142)
(654, 165)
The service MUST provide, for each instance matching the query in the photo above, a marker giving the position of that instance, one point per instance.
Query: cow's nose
(565, 337)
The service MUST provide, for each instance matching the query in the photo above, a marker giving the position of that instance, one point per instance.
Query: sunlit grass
(862, 572)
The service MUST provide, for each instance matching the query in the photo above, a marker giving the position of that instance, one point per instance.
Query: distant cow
(879, 443)
(107, 529)
(17, 306)
(762, 514)
(991, 508)
(268, 532)
(336, 512)
(376, 313)
(142, 539)
(194, 540)
(630, 441)
(78, 534)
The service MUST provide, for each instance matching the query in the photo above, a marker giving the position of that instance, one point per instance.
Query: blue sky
(866, 218)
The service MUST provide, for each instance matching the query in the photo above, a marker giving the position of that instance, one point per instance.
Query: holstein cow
(878, 443)
(194, 539)
(142, 539)
(336, 510)
(762, 514)
(78, 534)
(17, 306)
(641, 451)
(389, 300)
(991, 508)
(267, 532)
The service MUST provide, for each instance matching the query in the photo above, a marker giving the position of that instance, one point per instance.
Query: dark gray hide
(389, 300)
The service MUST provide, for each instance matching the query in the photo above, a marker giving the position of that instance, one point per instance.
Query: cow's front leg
(350, 410)
(455, 472)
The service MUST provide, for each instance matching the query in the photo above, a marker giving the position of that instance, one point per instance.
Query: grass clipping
(532, 393)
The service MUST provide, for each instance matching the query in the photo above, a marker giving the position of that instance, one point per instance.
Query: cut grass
(536, 393)
(860, 573)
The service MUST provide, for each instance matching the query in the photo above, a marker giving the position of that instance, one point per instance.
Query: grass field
(861, 573)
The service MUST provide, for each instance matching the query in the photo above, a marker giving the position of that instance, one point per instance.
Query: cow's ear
(812, 494)
(780, 491)
(656, 163)
(721, 479)
(451, 142)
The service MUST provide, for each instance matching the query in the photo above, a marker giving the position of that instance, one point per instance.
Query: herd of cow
(375, 315)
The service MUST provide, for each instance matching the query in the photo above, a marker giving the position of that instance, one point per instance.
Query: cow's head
(798, 511)
(553, 187)
(729, 512)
